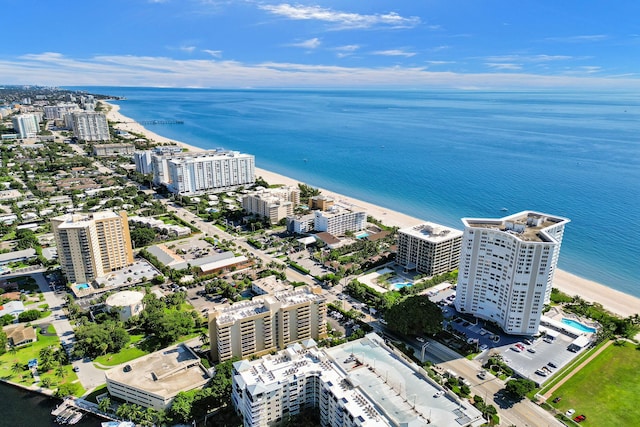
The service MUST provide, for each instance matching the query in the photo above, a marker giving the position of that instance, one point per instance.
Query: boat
(117, 424)
(504, 209)
(74, 419)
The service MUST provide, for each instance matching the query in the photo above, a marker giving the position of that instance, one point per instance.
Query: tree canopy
(415, 315)
(520, 387)
(96, 339)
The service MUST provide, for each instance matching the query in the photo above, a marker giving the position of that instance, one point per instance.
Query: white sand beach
(615, 301)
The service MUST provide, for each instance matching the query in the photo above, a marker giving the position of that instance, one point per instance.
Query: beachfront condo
(195, 173)
(90, 245)
(273, 204)
(506, 268)
(338, 220)
(429, 248)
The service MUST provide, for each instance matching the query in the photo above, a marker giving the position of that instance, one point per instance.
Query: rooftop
(432, 232)
(373, 383)
(164, 373)
(527, 226)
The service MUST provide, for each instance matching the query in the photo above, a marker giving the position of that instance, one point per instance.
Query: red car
(580, 418)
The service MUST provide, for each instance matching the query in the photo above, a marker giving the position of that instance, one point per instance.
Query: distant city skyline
(458, 44)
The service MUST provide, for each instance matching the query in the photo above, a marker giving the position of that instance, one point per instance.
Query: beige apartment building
(429, 248)
(267, 323)
(90, 245)
(273, 203)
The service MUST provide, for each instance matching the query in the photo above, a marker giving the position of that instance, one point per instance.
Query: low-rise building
(20, 334)
(154, 380)
(107, 150)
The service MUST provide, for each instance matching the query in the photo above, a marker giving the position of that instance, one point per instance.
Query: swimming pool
(82, 286)
(362, 235)
(579, 326)
(399, 286)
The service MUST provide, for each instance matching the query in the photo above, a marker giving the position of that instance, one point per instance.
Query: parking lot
(537, 361)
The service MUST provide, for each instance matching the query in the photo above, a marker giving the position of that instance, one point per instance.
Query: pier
(71, 410)
(156, 122)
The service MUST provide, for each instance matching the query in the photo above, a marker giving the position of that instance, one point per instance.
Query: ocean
(439, 155)
(21, 408)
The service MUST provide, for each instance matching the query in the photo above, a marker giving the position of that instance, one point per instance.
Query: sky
(462, 44)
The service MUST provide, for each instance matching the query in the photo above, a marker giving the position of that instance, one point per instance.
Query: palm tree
(60, 371)
(105, 405)
(17, 367)
(204, 337)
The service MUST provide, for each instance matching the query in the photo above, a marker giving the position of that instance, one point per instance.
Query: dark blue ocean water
(440, 155)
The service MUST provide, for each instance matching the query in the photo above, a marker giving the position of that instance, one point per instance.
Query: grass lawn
(126, 354)
(31, 351)
(606, 390)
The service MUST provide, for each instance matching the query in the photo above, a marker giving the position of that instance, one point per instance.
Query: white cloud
(504, 66)
(214, 53)
(188, 49)
(394, 52)
(528, 58)
(440, 62)
(579, 39)
(313, 43)
(54, 69)
(343, 20)
(347, 48)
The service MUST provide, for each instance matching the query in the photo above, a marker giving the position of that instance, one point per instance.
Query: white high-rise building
(90, 126)
(194, 173)
(338, 220)
(506, 268)
(429, 248)
(57, 112)
(142, 159)
(26, 125)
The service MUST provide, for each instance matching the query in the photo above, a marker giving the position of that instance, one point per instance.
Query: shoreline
(615, 301)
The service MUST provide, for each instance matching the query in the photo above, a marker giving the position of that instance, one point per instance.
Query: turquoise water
(440, 155)
(399, 286)
(362, 235)
(578, 325)
(82, 286)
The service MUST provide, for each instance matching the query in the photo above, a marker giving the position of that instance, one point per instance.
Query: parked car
(569, 413)
(580, 418)
(420, 339)
(531, 350)
(557, 399)
(516, 349)
(553, 365)
(439, 393)
(483, 347)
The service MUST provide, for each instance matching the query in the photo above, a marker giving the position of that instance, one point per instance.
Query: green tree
(142, 236)
(105, 405)
(29, 315)
(3, 342)
(46, 358)
(519, 388)
(415, 315)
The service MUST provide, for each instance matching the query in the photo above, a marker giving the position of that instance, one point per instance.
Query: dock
(71, 410)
